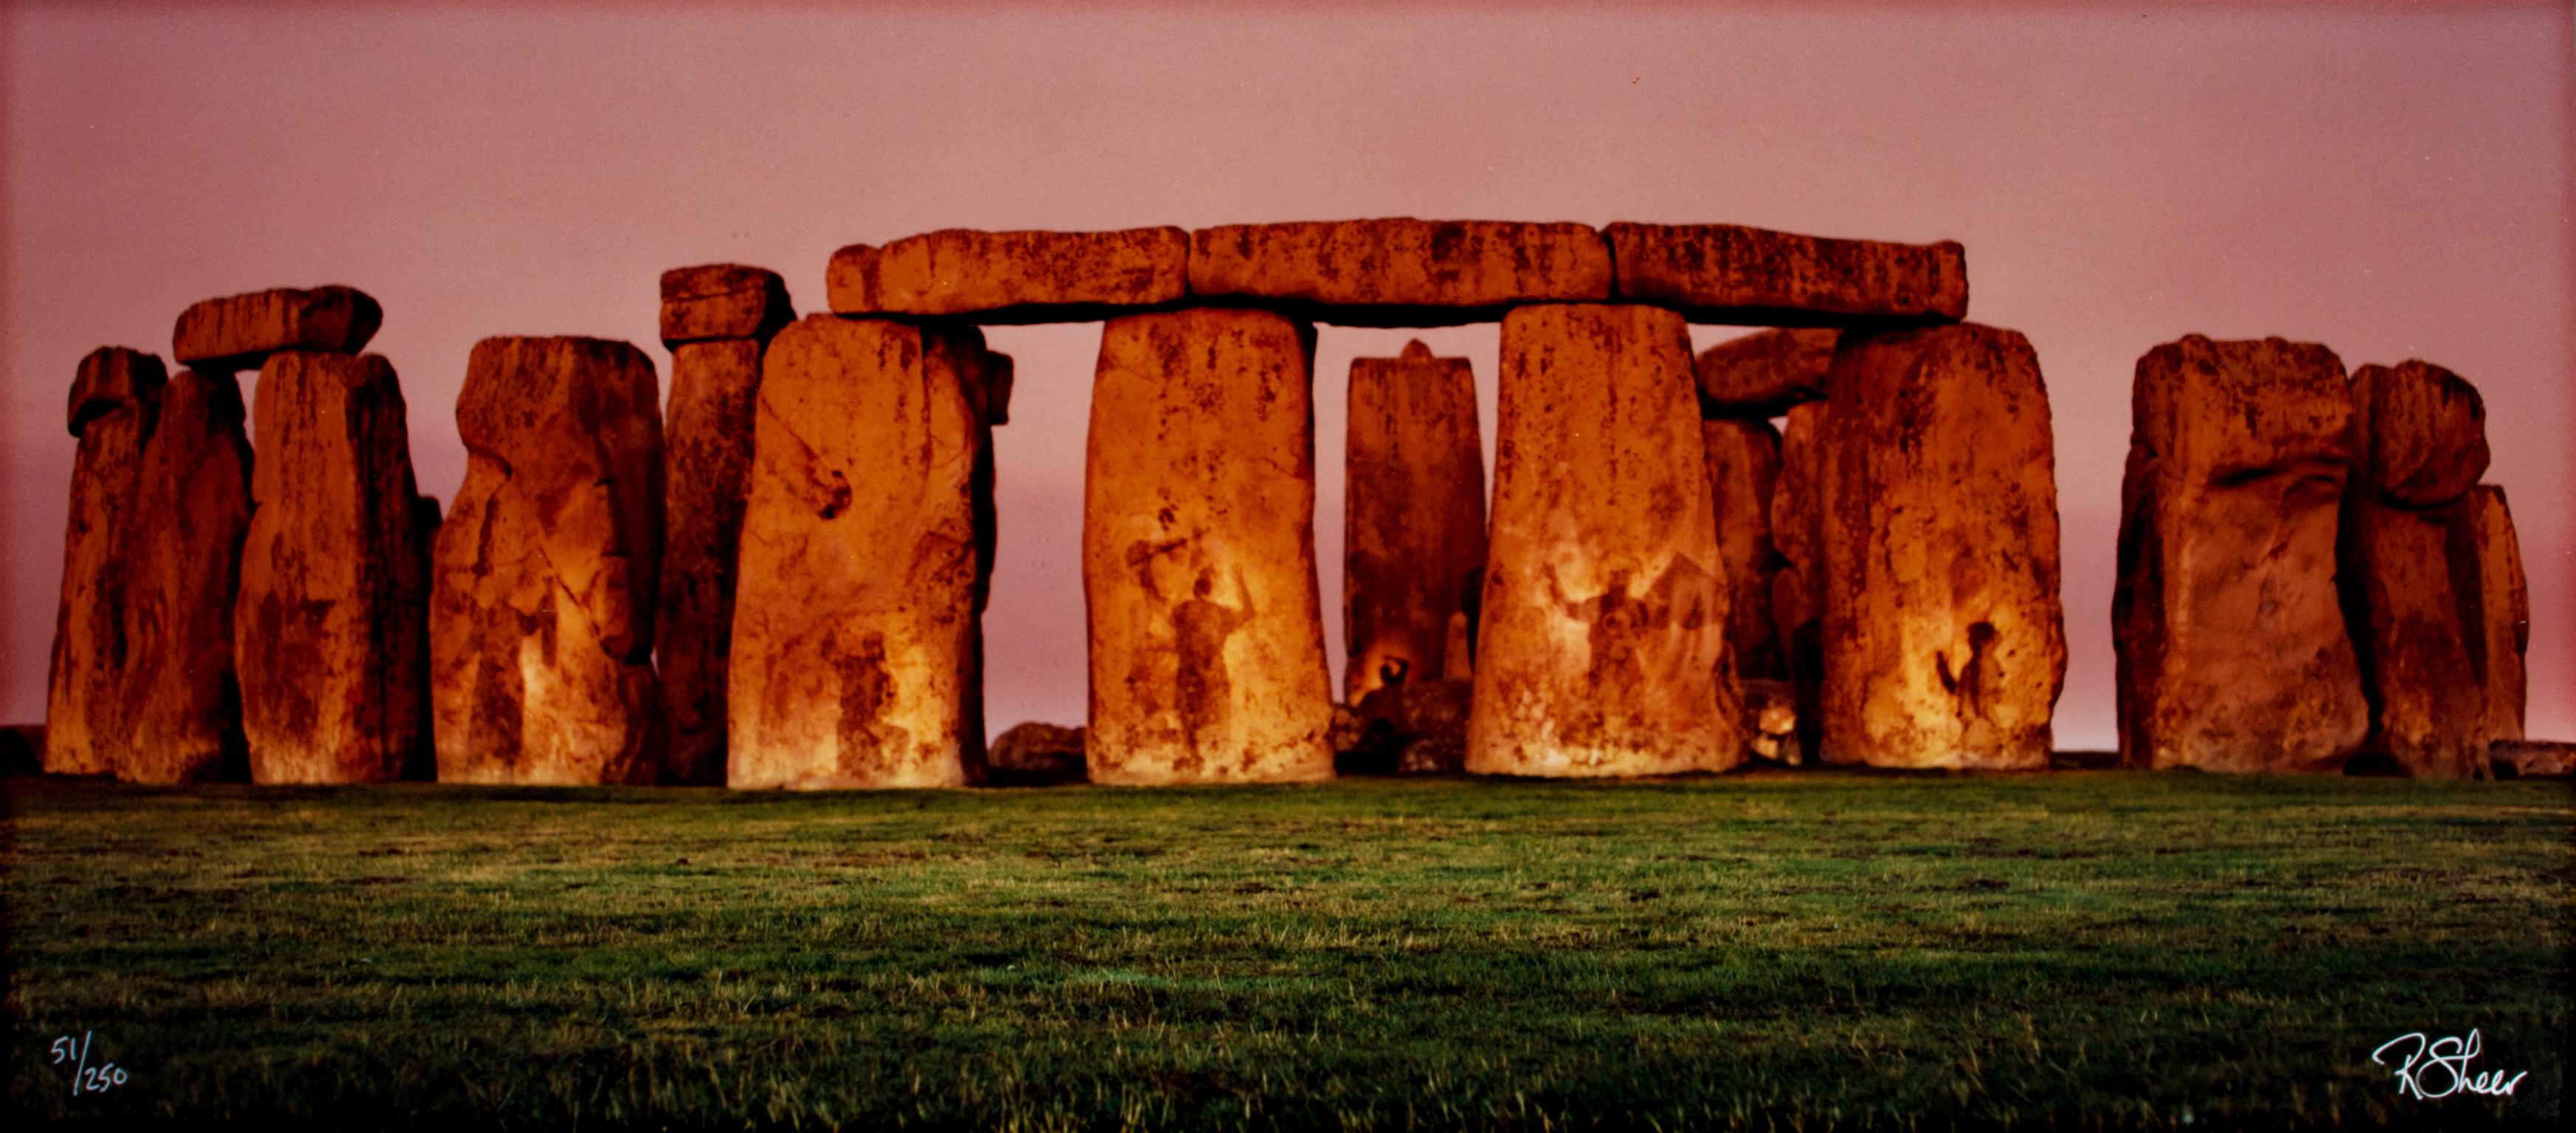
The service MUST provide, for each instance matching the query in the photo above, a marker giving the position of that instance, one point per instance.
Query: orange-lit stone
(1743, 468)
(2495, 605)
(182, 699)
(1798, 591)
(1413, 524)
(115, 404)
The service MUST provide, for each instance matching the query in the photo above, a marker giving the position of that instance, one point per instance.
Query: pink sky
(2393, 183)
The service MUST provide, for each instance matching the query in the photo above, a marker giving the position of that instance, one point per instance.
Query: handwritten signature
(87, 1079)
(2439, 1068)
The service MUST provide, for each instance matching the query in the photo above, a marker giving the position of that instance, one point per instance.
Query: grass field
(1766, 951)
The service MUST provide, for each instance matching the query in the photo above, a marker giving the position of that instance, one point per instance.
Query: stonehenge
(1413, 520)
(2229, 638)
(1831, 540)
(541, 613)
(1944, 644)
(717, 321)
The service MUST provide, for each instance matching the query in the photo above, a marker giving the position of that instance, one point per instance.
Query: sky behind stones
(2393, 183)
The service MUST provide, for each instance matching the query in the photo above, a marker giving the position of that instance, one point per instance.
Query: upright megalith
(1011, 276)
(2495, 605)
(1603, 646)
(2419, 443)
(327, 627)
(541, 614)
(1798, 590)
(181, 705)
(717, 320)
(115, 404)
(1198, 553)
(855, 642)
(1944, 643)
(1743, 461)
(1413, 524)
(1727, 273)
(2231, 646)
(239, 332)
(1762, 375)
(1400, 271)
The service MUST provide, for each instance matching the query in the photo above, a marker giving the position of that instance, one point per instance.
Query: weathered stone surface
(1725, 273)
(541, 616)
(1798, 590)
(1035, 755)
(707, 475)
(1422, 727)
(1743, 460)
(1400, 271)
(1413, 524)
(2533, 759)
(115, 404)
(1012, 276)
(855, 640)
(722, 301)
(1198, 553)
(1603, 646)
(327, 628)
(1762, 375)
(2231, 645)
(2420, 433)
(239, 332)
(2495, 604)
(1944, 644)
(181, 706)
(1771, 718)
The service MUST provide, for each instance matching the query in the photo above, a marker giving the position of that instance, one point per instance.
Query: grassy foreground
(1767, 951)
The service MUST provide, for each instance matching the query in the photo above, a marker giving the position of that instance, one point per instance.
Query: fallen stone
(2231, 646)
(2495, 604)
(115, 404)
(182, 699)
(2420, 432)
(855, 640)
(1771, 718)
(1759, 376)
(1725, 273)
(1944, 644)
(1206, 640)
(2533, 759)
(1798, 590)
(1402, 271)
(1603, 644)
(1035, 755)
(541, 616)
(722, 301)
(1425, 724)
(723, 316)
(1003, 277)
(1743, 460)
(1413, 523)
(239, 332)
(328, 625)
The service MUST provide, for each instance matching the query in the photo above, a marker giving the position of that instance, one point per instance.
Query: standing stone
(1743, 468)
(855, 641)
(717, 320)
(239, 332)
(541, 615)
(1198, 553)
(2420, 444)
(1762, 375)
(1726, 273)
(1413, 524)
(1798, 591)
(1603, 647)
(2231, 645)
(115, 403)
(327, 627)
(1944, 642)
(2495, 605)
(182, 700)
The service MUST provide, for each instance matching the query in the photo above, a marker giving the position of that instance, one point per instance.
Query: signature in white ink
(2439, 1068)
(87, 1079)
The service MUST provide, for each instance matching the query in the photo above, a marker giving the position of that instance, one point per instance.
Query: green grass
(1764, 951)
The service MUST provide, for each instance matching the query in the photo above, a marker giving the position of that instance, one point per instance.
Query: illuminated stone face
(855, 640)
(1743, 469)
(1798, 591)
(115, 403)
(1413, 527)
(2232, 650)
(2419, 432)
(1198, 553)
(183, 715)
(2495, 604)
(1603, 648)
(541, 622)
(1944, 644)
(328, 629)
